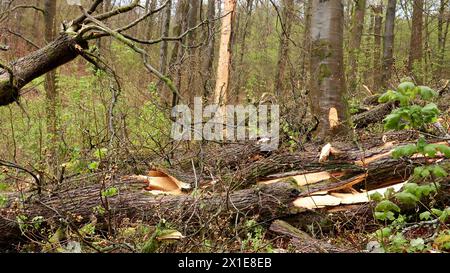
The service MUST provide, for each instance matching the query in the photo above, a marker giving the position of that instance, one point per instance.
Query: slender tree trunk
(209, 59)
(240, 75)
(150, 5)
(283, 52)
(175, 60)
(165, 33)
(356, 32)
(223, 68)
(388, 47)
(327, 84)
(441, 37)
(305, 62)
(193, 73)
(377, 70)
(416, 43)
(51, 91)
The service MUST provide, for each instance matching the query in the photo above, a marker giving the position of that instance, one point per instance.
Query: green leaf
(377, 197)
(444, 216)
(438, 171)
(385, 215)
(405, 86)
(425, 216)
(418, 243)
(405, 151)
(383, 233)
(430, 151)
(386, 205)
(389, 193)
(437, 212)
(418, 171)
(3, 201)
(392, 121)
(110, 192)
(430, 112)
(93, 166)
(427, 93)
(444, 149)
(100, 153)
(407, 198)
(411, 188)
(388, 96)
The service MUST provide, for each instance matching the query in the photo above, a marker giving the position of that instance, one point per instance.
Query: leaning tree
(74, 39)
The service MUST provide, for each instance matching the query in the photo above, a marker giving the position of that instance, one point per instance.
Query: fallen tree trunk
(303, 242)
(371, 168)
(375, 115)
(78, 205)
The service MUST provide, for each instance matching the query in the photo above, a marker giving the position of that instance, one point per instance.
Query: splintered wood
(319, 186)
(159, 182)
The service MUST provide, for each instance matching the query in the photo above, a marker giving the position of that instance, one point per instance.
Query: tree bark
(416, 43)
(283, 51)
(302, 241)
(359, 14)
(377, 69)
(268, 201)
(388, 46)
(165, 33)
(327, 83)
(442, 33)
(351, 162)
(51, 90)
(209, 59)
(59, 52)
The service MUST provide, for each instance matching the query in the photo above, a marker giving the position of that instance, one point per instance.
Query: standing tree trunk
(327, 84)
(305, 64)
(240, 71)
(377, 70)
(283, 53)
(355, 43)
(388, 47)
(223, 68)
(150, 5)
(165, 33)
(175, 59)
(51, 91)
(441, 36)
(209, 59)
(416, 43)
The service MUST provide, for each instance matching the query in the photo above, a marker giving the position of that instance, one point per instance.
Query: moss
(321, 49)
(324, 72)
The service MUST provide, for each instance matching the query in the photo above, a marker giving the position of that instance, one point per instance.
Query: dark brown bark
(327, 84)
(377, 69)
(302, 241)
(350, 163)
(165, 33)
(240, 77)
(283, 51)
(416, 43)
(355, 43)
(443, 23)
(388, 46)
(51, 90)
(377, 114)
(305, 61)
(208, 62)
(268, 202)
(59, 52)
